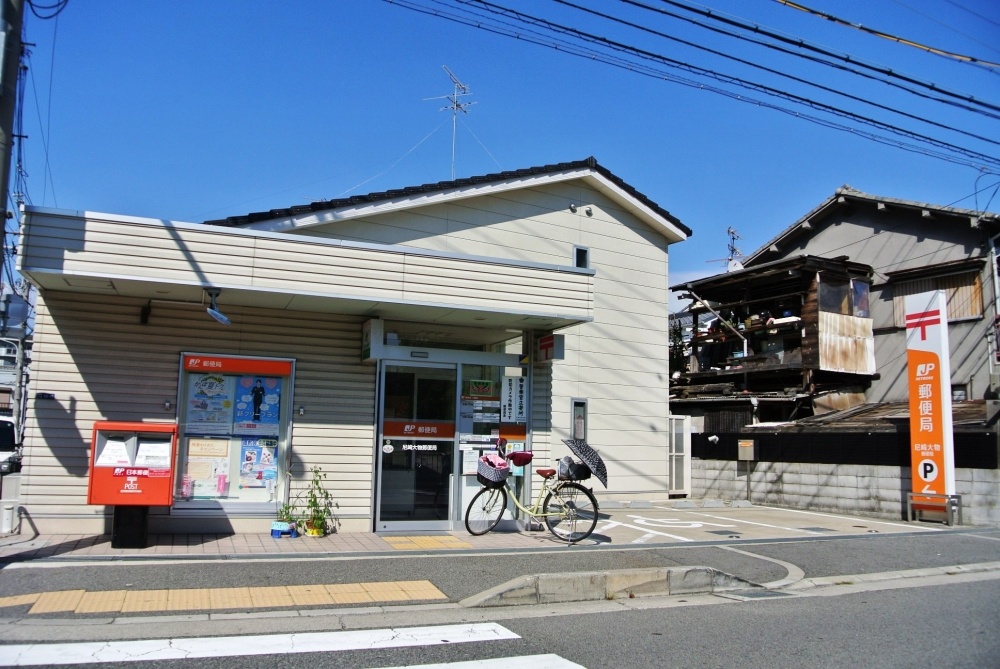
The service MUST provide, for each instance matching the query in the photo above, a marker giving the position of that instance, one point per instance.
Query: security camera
(713, 439)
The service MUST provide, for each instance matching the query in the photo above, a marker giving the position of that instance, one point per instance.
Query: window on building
(964, 293)
(581, 256)
(580, 419)
(848, 297)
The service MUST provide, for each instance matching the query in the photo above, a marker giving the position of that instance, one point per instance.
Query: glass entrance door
(416, 457)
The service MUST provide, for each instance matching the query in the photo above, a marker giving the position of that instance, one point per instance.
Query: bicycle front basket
(492, 474)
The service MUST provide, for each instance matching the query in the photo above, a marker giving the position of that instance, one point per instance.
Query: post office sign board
(928, 364)
(132, 464)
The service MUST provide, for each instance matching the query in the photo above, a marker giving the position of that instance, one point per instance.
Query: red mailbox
(132, 464)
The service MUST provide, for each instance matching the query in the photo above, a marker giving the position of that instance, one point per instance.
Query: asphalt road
(943, 620)
(946, 626)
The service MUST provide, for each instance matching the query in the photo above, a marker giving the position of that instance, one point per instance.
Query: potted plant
(318, 505)
(285, 525)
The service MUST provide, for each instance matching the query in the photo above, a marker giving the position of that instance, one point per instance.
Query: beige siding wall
(92, 353)
(618, 363)
(215, 256)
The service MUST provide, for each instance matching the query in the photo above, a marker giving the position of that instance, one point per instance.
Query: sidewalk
(620, 525)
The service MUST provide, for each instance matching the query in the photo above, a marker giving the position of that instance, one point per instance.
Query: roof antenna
(455, 107)
(732, 261)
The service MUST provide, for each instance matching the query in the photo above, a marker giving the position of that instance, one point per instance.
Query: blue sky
(200, 110)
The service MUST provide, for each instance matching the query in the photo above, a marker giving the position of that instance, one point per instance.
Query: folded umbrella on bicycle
(590, 457)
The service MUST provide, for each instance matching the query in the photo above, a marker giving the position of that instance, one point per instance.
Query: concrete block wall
(866, 489)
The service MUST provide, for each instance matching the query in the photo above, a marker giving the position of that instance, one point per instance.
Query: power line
(840, 62)
(947, 150)
(53, 10)
(779, 73)
(893, 38)
(945, 25)
(805, 45)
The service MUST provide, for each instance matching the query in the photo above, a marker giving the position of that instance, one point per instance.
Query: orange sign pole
(932, 455)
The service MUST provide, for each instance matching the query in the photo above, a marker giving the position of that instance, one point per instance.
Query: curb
(607, 585)
(882, 577)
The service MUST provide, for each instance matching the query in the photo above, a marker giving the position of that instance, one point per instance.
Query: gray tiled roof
(322, 205)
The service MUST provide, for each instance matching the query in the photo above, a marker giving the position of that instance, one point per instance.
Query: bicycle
(568, 509)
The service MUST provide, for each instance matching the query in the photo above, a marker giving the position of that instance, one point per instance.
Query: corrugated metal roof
(323, 205)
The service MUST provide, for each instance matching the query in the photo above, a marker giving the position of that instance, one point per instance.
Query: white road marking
(773, 527)
(615, 523)
(675, 523)
(644, 538)
(795, 574)
(27, 655)
(521, 662)
(870, 521)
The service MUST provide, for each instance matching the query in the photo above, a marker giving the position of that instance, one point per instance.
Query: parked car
(10, 449)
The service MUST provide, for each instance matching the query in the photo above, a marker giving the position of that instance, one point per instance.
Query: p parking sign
(932, 456)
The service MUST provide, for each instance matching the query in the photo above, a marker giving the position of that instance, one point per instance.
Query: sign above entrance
(431, 429)
(932, 454)
(216, 363)
(550, 347)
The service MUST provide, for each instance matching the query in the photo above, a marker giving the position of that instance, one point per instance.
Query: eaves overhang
(109, 254)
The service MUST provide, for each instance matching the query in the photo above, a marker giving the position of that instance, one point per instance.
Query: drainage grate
(725, 533)
(817, 529)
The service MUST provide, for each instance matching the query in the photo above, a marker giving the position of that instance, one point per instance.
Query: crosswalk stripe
(28, 655)
(520, 661)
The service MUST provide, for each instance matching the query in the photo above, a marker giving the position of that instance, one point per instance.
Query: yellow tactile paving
(425, 542)
(145, 600)
(101, 602)
(385, 592)
(54, 602)
(349, 593)
(192, 599)
(199, 599)
(421, 590)
(230, 598)
(276, 595)
(310, 595)
(18, 600)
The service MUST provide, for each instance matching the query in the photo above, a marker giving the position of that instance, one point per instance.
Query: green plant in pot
(317, 505)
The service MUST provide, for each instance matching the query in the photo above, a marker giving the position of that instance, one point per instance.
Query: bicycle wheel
(574, 512)
(485, 510)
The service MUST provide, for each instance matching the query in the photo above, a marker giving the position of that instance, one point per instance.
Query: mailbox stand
(746, 451)
(132, 469)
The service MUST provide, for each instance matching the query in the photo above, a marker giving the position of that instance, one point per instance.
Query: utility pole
(11, 16)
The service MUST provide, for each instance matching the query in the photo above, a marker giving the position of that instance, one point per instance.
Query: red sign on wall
(222, 363)
(132, 464)
(431, 429)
